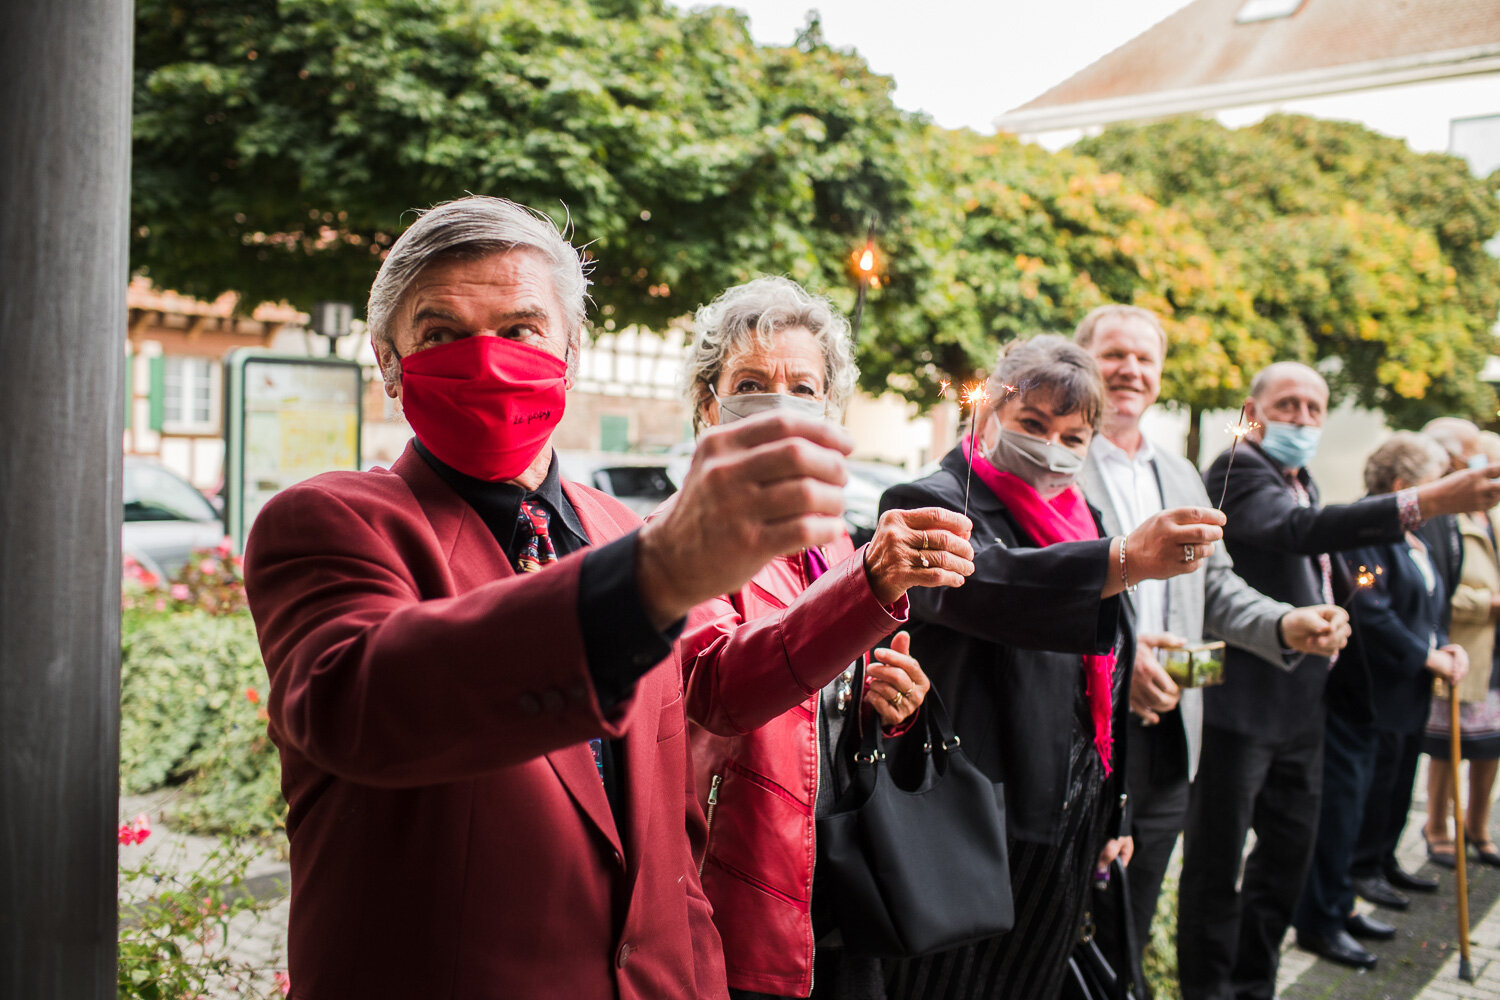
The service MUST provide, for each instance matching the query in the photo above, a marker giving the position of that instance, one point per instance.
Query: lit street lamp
(866, 272)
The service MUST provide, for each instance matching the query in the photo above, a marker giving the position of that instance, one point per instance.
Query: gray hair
(753, 313)
(1406, 455)
(1281, 369)
(1054, 364)
(1455, 434)
(466, 229)
(1089, 326)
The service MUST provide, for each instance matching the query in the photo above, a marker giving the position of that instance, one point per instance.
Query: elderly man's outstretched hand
(757, 489)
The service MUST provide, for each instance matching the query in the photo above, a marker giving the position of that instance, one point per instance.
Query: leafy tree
(279, 142)
(1021, 241)
(1358, 252)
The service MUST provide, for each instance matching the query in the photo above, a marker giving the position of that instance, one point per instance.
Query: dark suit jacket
(1275, 546)
(1381, 678)
(1003, 650)
(1445, 544)
(450, 836)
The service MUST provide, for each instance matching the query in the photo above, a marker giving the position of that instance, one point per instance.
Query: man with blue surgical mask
(1262, 759)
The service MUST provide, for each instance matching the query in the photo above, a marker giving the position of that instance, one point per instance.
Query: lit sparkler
(973, 396)
(1363, 580)
(1237, 432)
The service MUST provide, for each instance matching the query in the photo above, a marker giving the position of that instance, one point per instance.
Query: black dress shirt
(619, 641)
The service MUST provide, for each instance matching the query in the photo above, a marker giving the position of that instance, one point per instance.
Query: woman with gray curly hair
(769, 668)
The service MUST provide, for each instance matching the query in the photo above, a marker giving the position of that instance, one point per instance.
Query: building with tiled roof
(1409, 68)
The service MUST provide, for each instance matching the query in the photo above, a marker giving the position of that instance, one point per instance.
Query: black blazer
(1275, 546)
(983, 645)
(1446, 547)
(1381, 677)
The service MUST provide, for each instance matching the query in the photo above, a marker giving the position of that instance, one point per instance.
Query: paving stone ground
(1420, 964)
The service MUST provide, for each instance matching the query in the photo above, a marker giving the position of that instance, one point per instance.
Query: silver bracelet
(1124, 574)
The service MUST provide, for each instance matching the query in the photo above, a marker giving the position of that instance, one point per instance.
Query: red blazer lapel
(474, 559)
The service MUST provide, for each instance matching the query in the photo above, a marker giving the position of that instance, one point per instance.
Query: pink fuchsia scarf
(1064, 518)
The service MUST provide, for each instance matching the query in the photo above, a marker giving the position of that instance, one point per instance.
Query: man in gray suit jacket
(1129, 480)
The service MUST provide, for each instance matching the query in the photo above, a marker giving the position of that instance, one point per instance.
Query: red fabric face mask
(484, 405)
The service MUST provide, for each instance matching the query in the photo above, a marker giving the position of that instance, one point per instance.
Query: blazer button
(624, 954)
(529, 704)
(552, 701)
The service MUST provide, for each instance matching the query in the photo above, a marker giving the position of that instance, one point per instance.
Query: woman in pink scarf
(1025, 654)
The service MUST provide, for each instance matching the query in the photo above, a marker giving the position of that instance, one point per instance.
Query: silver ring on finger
(1189, 553)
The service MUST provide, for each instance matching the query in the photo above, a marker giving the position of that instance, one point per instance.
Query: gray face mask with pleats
(739, 406)
(1046, 467)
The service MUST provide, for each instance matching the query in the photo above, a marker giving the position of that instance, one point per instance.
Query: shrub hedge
(192, 691)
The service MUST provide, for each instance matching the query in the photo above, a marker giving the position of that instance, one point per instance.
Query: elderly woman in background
(1027, 657)
(769, 668)
(1476, 610)
(1380, 684)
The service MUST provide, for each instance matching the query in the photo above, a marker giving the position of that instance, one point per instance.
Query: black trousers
(1228, 938)
(1349, 756)
(1156, 779)
(1391, 787)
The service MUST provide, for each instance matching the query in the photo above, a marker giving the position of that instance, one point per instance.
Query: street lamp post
(332, 320)
(866, 268)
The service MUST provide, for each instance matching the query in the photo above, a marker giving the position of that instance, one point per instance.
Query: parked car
(165, 518)
(867, 481)
(640, 482)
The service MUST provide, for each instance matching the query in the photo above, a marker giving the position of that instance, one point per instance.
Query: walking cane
(1465, 970)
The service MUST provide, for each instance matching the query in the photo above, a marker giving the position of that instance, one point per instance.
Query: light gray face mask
(749, 404)
(1046, 467)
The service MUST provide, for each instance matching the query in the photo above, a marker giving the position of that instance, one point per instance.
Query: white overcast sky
(964, 63)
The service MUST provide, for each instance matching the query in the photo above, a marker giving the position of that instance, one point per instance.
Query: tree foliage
(279, 142)
(1358, 253)
(279, 145)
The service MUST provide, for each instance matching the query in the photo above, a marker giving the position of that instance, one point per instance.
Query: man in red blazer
(488, 778)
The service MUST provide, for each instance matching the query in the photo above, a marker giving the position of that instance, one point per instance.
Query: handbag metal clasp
(861, 757)
(953, 744)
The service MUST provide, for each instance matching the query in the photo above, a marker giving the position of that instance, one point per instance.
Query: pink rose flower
(180, 592)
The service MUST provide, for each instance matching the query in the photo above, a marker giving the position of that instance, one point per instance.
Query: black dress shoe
(1380, 892)
(1368, 928)
(1403, 879)
(1338, 947)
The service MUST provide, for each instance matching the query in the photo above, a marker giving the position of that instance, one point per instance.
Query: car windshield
(154, 494)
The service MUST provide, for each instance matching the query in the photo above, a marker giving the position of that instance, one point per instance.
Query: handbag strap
(932, 717)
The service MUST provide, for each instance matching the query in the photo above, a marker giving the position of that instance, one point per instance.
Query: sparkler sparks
(1363, 580)
(1237, 432)
(973, 395)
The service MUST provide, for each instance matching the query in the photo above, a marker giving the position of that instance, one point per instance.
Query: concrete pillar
(64, 208)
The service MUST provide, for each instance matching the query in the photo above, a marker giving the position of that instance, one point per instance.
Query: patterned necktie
(531, 525)
(536, 552)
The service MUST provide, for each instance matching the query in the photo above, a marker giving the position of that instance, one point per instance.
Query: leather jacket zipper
(708, 820)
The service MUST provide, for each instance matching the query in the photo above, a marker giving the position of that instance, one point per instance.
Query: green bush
(1160, 965)
(175, 931)
(192, 688)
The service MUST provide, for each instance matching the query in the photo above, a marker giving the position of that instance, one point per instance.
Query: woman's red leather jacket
(755, 662)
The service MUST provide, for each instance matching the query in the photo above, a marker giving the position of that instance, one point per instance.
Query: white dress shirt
(1135, 491)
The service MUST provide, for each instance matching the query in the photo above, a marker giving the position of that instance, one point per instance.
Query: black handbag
(1092, 975)
(916, 867)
